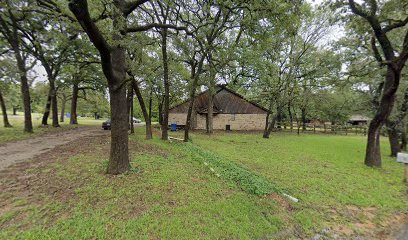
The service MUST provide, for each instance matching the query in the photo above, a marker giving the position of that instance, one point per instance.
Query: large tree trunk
(47, 109)
(146, 115)
(119, 155)
(113, 61)
(74, 120)
(373, 154)
(14, 40)
(6, 122)
(166, 106)
(25, 92)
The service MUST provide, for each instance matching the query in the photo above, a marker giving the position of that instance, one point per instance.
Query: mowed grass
(326, 172)
(16, 132)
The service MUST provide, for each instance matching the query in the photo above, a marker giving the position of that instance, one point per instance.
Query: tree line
(282, 56)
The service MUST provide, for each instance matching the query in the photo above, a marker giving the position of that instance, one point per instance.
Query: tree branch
(131, 6)
(80, 9)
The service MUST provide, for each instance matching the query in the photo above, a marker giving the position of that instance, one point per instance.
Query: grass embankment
(16, 132)
(172, 192)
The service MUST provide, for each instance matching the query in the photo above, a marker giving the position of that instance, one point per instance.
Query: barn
(231, 112)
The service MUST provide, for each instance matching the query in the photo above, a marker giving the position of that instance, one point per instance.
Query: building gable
(225, 101)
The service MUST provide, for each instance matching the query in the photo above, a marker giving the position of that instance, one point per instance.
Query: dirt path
(23, 150)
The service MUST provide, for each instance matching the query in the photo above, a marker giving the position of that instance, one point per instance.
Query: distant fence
(346, 129)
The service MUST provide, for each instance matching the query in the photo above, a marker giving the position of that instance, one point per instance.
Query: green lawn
(326, 172)
(203, 190)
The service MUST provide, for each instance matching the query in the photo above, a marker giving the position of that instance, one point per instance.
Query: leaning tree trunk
(74, 101)
(146, 115)
(194, 77)
(6, 122)
(271, 125)
(373, 154)
(268, 125)
(190, 109)
(47, 109)
(166, 106)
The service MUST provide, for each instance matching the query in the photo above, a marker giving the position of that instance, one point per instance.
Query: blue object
(173, 127)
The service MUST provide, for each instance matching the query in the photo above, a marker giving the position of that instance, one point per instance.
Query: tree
(394, 63)
(11, 15)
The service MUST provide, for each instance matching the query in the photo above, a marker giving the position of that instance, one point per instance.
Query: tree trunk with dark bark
(14, 110)
(404, 140)
(166, 82)
(47, 109)
(395, 64)
(190, 110)
(130, 108)
(271, 125)
(303, 110)
(12, 36)
(196, 69)
(113, 61)
(54, 106)
(373, 154)
(6, 122)
(146, 115)
(119, 156)
(74, 100)
(63, 103)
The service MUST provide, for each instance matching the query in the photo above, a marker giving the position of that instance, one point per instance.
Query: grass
(217, 187)
(16, 132)
(326, 172)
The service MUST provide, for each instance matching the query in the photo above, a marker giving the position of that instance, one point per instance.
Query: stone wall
(236, 121)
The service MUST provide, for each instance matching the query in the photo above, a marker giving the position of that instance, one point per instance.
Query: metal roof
(225, 101)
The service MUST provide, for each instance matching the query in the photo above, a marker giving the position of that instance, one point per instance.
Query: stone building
(231, 112)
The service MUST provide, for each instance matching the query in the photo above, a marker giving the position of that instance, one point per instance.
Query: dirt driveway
(23, 150)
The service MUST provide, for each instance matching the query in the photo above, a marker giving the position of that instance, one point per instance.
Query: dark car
(106, 125)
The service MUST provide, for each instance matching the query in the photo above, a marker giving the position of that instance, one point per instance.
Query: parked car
(106, 125)
(136, 120)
